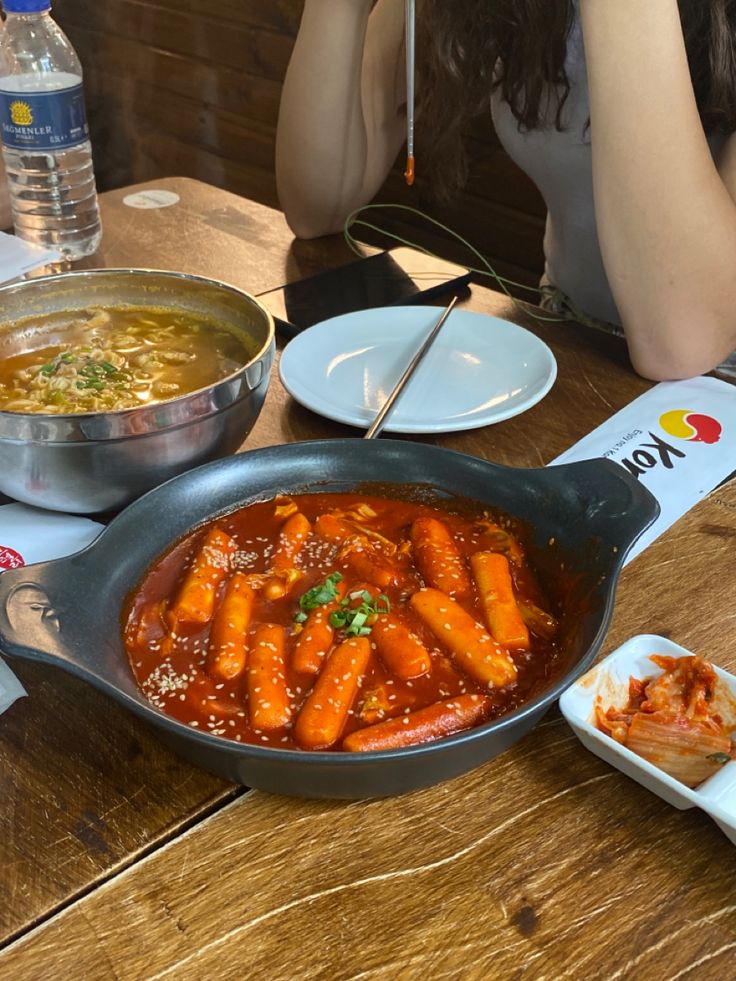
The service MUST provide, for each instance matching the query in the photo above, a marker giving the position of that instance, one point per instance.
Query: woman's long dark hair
(460, 42)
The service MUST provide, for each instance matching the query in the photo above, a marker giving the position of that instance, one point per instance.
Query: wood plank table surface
(120, 860)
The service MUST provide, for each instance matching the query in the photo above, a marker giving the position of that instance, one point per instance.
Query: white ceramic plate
(479, 370)
(610, 679)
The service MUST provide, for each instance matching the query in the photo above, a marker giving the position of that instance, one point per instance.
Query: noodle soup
(112, 358)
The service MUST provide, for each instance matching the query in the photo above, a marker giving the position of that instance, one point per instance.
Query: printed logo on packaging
(692, 426)
(53, 120)
(9, 558)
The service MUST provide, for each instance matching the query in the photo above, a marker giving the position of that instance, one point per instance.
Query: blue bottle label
(53, 120)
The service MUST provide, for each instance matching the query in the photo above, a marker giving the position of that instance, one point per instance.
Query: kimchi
(670, 720)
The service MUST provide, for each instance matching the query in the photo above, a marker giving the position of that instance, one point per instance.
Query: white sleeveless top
(560, 165)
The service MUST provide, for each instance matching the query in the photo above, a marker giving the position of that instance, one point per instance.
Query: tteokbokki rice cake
(342, 622)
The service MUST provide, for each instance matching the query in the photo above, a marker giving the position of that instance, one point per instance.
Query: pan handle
(617, 507)
(47, 615)
(32, 625)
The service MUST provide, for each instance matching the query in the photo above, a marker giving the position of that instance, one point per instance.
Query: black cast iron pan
(68, 612)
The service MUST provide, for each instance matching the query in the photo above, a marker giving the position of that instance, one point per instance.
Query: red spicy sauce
(169, 666)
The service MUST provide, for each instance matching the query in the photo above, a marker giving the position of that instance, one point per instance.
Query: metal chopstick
(378, 423)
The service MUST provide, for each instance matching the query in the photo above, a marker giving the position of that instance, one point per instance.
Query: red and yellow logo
(692, 426)
(9, 558)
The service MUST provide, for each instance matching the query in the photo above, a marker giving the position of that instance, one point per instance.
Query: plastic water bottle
(44, 133)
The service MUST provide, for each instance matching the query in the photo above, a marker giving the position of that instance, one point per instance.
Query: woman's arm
(341, 121)
(666, 215)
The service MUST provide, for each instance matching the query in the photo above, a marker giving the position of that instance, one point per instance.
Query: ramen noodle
(106, 359)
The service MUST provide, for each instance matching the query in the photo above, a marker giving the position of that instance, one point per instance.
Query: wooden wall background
(191, 88)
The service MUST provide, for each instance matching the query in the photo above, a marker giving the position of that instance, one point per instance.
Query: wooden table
(120, 860)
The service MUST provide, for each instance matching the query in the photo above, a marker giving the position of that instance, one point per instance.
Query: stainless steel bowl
(92, 462)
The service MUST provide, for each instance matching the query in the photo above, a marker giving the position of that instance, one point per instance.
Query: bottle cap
(25, 6)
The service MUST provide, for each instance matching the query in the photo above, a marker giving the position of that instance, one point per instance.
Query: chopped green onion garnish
(319, 595)
(354, 620)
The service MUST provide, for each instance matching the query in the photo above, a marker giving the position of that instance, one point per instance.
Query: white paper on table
(678, 439)
(18, 257)
(33, 535)
(10, 688)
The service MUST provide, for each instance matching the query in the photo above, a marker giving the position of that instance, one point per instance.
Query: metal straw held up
(410, 35)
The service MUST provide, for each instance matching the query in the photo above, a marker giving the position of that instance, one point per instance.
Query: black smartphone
(397, 276)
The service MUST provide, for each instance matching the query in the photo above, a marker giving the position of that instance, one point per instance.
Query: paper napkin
(678, 439)
(18, 257)
(32, 535)
(10, 688)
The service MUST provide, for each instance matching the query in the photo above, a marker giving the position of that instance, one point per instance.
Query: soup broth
(105, 359)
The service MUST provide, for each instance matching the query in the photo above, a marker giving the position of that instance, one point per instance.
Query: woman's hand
(341, 121)
(666, 217)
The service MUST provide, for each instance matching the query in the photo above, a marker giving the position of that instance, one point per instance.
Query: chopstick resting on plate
(410, 33)
(380, 420)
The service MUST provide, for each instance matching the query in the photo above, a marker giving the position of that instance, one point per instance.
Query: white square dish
(610, 680)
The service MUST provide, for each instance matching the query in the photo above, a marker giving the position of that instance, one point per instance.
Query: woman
(629, 143)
